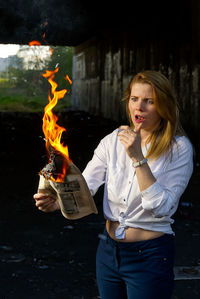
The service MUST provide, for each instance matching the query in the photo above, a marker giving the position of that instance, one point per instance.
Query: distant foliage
(25, 89)
(61, 57)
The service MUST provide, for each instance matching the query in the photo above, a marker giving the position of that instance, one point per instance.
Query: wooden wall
(103, 67)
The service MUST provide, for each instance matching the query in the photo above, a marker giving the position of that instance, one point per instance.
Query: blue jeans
(136, 270)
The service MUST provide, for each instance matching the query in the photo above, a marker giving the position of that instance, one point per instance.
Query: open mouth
(139, 118)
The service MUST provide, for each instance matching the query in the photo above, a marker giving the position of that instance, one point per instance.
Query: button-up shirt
(152, 208)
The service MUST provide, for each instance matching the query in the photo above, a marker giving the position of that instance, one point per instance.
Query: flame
(52, 131)
(68, 79)
(34, 43)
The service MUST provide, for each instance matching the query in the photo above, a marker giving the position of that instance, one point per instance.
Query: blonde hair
(162, 138)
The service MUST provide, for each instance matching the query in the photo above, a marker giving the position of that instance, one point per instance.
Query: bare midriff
(131, 234)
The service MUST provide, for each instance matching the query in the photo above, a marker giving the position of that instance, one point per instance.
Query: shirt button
(124, 199)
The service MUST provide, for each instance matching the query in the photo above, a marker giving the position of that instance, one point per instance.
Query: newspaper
(73, 194)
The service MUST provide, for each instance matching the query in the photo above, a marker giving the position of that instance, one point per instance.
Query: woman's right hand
(46, 203)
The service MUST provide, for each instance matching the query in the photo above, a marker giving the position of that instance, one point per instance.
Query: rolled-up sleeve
(163, 196)
(95, 171)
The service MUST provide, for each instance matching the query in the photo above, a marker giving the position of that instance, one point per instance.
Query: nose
(140, 105)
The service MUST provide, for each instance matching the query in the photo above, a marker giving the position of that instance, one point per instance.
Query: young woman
(145, 168)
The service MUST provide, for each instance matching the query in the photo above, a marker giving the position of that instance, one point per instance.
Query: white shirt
(123, 201)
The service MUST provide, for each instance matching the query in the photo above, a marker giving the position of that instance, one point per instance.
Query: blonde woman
(145, 168)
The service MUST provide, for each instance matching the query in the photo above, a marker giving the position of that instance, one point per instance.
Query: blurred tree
(62, 58)
(31, 62)
(24, 80)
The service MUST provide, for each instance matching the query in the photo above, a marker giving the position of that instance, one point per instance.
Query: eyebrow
(150, 98)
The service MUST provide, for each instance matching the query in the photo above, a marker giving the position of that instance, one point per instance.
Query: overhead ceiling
(70, 22)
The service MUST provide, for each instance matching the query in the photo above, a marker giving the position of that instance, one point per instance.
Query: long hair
(162, 138)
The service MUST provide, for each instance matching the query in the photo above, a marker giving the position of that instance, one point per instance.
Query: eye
(134, 99)
(150, 101)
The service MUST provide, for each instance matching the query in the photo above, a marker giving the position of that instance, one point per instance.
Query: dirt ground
(47, 256)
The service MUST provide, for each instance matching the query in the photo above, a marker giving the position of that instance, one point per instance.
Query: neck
(144, 136)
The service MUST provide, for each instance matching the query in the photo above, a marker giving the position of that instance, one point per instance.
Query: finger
(45, 200)
(39, 196)
(132, 131)
(137, 130)
(123, 129)
(125, 137)
(127, 130)
(46, 208)
(124, 143)
(40, 205)
(127, 134)
(51, 207)
(43, 203)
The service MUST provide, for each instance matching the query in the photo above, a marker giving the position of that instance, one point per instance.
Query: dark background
(45, 255)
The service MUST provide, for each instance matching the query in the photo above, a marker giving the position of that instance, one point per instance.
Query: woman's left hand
(131, 141)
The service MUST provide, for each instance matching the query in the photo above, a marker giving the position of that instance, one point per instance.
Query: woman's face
(142, 108)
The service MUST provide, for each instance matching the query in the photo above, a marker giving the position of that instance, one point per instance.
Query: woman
(145, 167)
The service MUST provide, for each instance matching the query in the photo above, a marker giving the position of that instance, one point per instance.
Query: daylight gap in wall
(22, 86)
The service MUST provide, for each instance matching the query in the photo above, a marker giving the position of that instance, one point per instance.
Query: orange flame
(34, 43)
(52, 131)
(68, 79)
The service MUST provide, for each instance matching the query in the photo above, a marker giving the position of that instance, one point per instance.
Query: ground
(47, 256)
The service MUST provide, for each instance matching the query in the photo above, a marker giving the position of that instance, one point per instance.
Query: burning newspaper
(60, 177)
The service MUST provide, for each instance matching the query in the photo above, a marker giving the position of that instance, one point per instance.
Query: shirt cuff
(152, 196)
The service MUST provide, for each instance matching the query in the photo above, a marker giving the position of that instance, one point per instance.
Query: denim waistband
(159, 241)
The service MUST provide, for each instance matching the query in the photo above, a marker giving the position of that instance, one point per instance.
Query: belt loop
(102, 237)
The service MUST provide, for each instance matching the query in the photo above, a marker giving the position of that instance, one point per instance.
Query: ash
(50, 169)
(55, 164)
